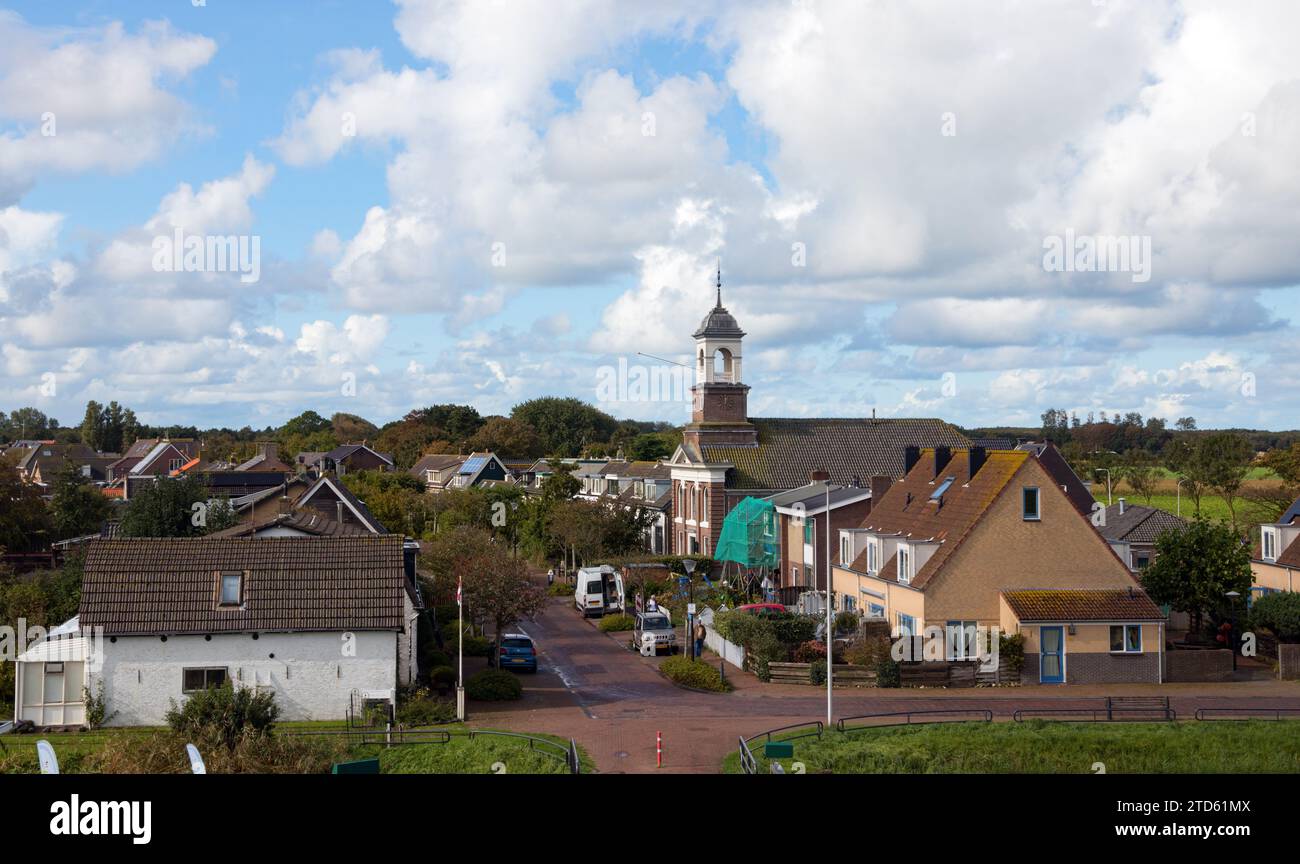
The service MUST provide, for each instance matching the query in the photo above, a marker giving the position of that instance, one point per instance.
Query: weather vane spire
(719, 283)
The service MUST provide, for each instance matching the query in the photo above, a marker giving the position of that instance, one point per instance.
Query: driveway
(612, 701)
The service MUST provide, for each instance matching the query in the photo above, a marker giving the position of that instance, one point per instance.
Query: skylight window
(943, 487)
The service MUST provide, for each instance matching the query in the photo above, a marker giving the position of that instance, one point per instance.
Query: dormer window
(1268, 545)
(846, 550)
(904, 564)
(231, 589)
(871, 556)
(1029, 503)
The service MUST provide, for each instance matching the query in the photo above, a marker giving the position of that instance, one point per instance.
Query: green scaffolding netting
(749, 535)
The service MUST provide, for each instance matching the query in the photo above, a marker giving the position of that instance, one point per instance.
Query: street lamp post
(1232, 634)
(830, 635)
(688, 564)
(1107, 470)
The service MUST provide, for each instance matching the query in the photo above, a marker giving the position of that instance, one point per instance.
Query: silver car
(656, 624)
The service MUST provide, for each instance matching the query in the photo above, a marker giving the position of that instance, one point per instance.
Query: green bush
(434, 659)
(493, 685)
(693, 673)
(443, 676)
(1279, 613)
(560, 589)
(846, 622)
(475, 646)
(616, 623)
(427, 712)
(793, 629)
(888, 672)
(817, 671)
(226, 712)
(446, 614)
(1012, 649)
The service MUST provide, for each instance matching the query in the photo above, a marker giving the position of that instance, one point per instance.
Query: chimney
(911, 455)
(270, 450)
(879, 486)
(942, 456)
(977, 456)
(820, 475)
(338, 506)
(1121, 506)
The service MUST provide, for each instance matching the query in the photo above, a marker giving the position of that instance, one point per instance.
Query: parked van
(599, 591)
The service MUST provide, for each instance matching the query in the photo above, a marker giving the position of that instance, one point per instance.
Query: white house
(322, 622)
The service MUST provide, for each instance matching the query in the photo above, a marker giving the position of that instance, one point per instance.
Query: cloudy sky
(488, 201)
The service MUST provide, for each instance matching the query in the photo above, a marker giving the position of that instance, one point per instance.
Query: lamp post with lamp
(1232, 633)
(1107, 472)
(688, 564)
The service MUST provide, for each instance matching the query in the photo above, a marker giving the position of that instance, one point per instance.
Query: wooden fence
(843, 674)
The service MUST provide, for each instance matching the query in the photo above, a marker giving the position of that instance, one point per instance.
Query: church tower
(719, 414)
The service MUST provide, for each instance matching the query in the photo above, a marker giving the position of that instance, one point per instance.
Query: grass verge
(1049, 747)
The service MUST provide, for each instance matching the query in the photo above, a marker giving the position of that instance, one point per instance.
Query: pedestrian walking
(699, 638)
(550, 577)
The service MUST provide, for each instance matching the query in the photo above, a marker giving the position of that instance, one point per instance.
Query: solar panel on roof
(473, 465)
(943, 487)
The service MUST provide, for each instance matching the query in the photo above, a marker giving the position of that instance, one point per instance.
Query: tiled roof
(169, 585)
(789, 450)
(437, 462)
(909, 510)
(1085, 605)
(1138, 524)
(342, 492)
(1290, 556)
(306, 521)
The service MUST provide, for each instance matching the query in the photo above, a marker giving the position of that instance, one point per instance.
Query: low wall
(1288, 659)
(1207, 665)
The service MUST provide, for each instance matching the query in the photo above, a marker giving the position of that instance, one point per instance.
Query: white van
(599, 591)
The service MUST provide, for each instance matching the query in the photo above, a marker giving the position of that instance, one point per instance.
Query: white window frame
(904, 564)
(1125, 628)
(846, 550)
(1268, 543)
(965, 649)
(873, 555)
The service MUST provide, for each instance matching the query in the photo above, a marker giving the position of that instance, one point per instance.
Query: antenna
(663, 360)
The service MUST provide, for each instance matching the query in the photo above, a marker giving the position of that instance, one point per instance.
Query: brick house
(967, 532)
(802, 519)
(726, 455)
(1275, 562)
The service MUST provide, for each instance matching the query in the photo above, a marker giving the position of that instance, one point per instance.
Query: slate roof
(338, 454)
(341, 491)
(1116, 604)
(908, 509)
(154, 586)
(789, 450)
(437, 462)
(307, 521)
(1138, 524)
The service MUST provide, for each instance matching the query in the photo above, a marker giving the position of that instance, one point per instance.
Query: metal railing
(748, 763)
(1115, 709)
(1248, 713)
(906, 718)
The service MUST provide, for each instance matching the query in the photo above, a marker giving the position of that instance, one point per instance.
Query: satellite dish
(49, 762)
(196, 760)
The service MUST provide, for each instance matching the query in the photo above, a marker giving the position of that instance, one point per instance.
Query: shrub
(446, 613)
(1012, 649)
(867, 652)
(225, 712)
(493, 685)
(560, 589)
(97, 713)
(817, 671)
(616, 623)
(810, 652)
(888, 672)
(692, 673)
(250, 753)
(426, 711)
(1279, 613)
(846, 622)
(443, 676)
(434, 659)
(793, 629)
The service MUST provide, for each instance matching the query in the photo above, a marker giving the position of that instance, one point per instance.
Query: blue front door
(1051, 659)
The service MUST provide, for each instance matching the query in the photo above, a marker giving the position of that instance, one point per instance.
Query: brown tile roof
(436, 462)
(789, 450)
(169, 585)
(1090, 605)
(306, 521)
(1290, 556)
(908, 509)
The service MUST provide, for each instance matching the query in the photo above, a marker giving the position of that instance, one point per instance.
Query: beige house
(964, 529)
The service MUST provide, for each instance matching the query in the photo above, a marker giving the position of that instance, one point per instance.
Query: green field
(1047, 747)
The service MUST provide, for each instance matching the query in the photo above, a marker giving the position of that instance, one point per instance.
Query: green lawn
(1048, 747)
(459, 756)
(484, 754)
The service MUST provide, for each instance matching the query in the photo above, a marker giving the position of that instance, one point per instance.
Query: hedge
(693, 673)
(493, 685)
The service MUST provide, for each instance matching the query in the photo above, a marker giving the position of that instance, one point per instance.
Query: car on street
(655, 626)
(762, 608)
(517, 651)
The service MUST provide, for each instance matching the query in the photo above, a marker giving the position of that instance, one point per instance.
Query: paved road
(613, 701)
